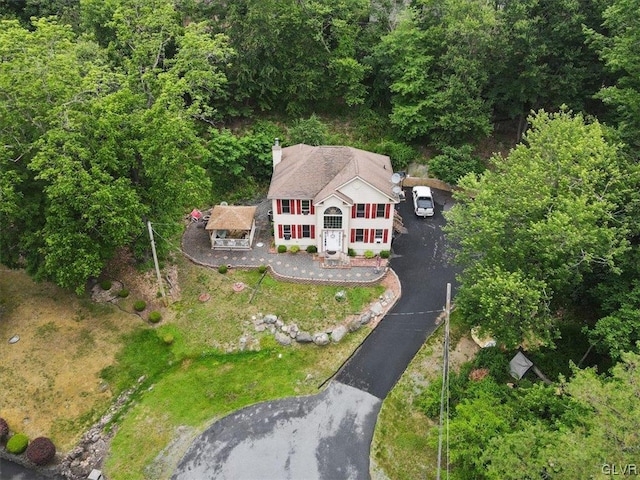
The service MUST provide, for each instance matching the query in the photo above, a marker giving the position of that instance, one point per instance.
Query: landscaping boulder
(365, 318)
(354, 325)
(282, 338)
(338, 333)
(304, 337)
(376, 308)
(270, 319)
(321, 339)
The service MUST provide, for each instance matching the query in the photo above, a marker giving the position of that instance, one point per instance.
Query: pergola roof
(225, 217)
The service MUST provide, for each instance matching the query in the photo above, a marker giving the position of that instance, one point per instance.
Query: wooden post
(155, 261)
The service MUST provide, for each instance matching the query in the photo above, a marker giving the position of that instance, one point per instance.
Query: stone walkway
(298, 267)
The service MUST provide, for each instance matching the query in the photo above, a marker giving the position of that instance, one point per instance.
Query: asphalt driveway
(421, 262)
(328, 436)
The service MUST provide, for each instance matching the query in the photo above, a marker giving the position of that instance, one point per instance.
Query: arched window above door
(333, 218)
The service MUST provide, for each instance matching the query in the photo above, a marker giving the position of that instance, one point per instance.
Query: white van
(423, 201)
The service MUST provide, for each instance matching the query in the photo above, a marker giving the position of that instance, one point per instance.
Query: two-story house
(335, 198)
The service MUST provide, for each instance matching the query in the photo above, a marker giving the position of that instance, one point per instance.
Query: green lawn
(193, 380)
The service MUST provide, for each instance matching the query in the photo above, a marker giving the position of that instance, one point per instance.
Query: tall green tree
(296, 54)
(44, 73)
(95, 153)
(544, 217)
(587, 446)
(540, 59)
(434, 64)
(617, 47)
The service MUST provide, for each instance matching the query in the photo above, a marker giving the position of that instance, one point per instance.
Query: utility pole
(155, 261)
(445, 381)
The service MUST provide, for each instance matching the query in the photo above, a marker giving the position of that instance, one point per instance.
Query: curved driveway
(420, 260)
(328, 436)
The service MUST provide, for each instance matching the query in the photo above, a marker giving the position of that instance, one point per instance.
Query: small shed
(519, 365)
(231, 227)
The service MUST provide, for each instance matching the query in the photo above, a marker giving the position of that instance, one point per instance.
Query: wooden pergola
(231, 227)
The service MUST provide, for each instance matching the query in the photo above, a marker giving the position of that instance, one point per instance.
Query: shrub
(455, 163)
(155, 317)
(312, 249)
(124, 293)
(369, 254)
(140, 305)
(282, 248)
(41, 451)
(351, 252)
(262, 268)
(401, 154)
(17, 444)
(294, 249)
(223, 269)
(4, 429)
(168, 338)
(105, 284)
(385, 254)
(311, 131)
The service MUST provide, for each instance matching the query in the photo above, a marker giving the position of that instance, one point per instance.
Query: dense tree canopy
(530, 228)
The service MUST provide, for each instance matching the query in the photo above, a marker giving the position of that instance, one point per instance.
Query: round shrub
(312, 249)
(294, 249)
(155, 317)
(168, 339)
(351, 252)
(140, 305)
(124, 293)
(369, 254)
(4, 429)
(17, 444)
(262, 268)
(454, 163)
(385, 254)
(282, 248)
(105, 284)
(41, 451)
(223, 269)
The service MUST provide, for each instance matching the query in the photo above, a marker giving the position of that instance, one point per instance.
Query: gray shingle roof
(316, 172)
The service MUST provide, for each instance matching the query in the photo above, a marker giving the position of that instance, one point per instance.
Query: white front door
(332, 240)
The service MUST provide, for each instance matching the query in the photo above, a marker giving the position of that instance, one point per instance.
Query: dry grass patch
(50, 377)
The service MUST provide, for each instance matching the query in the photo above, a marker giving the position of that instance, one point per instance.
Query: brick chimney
(277, 153)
